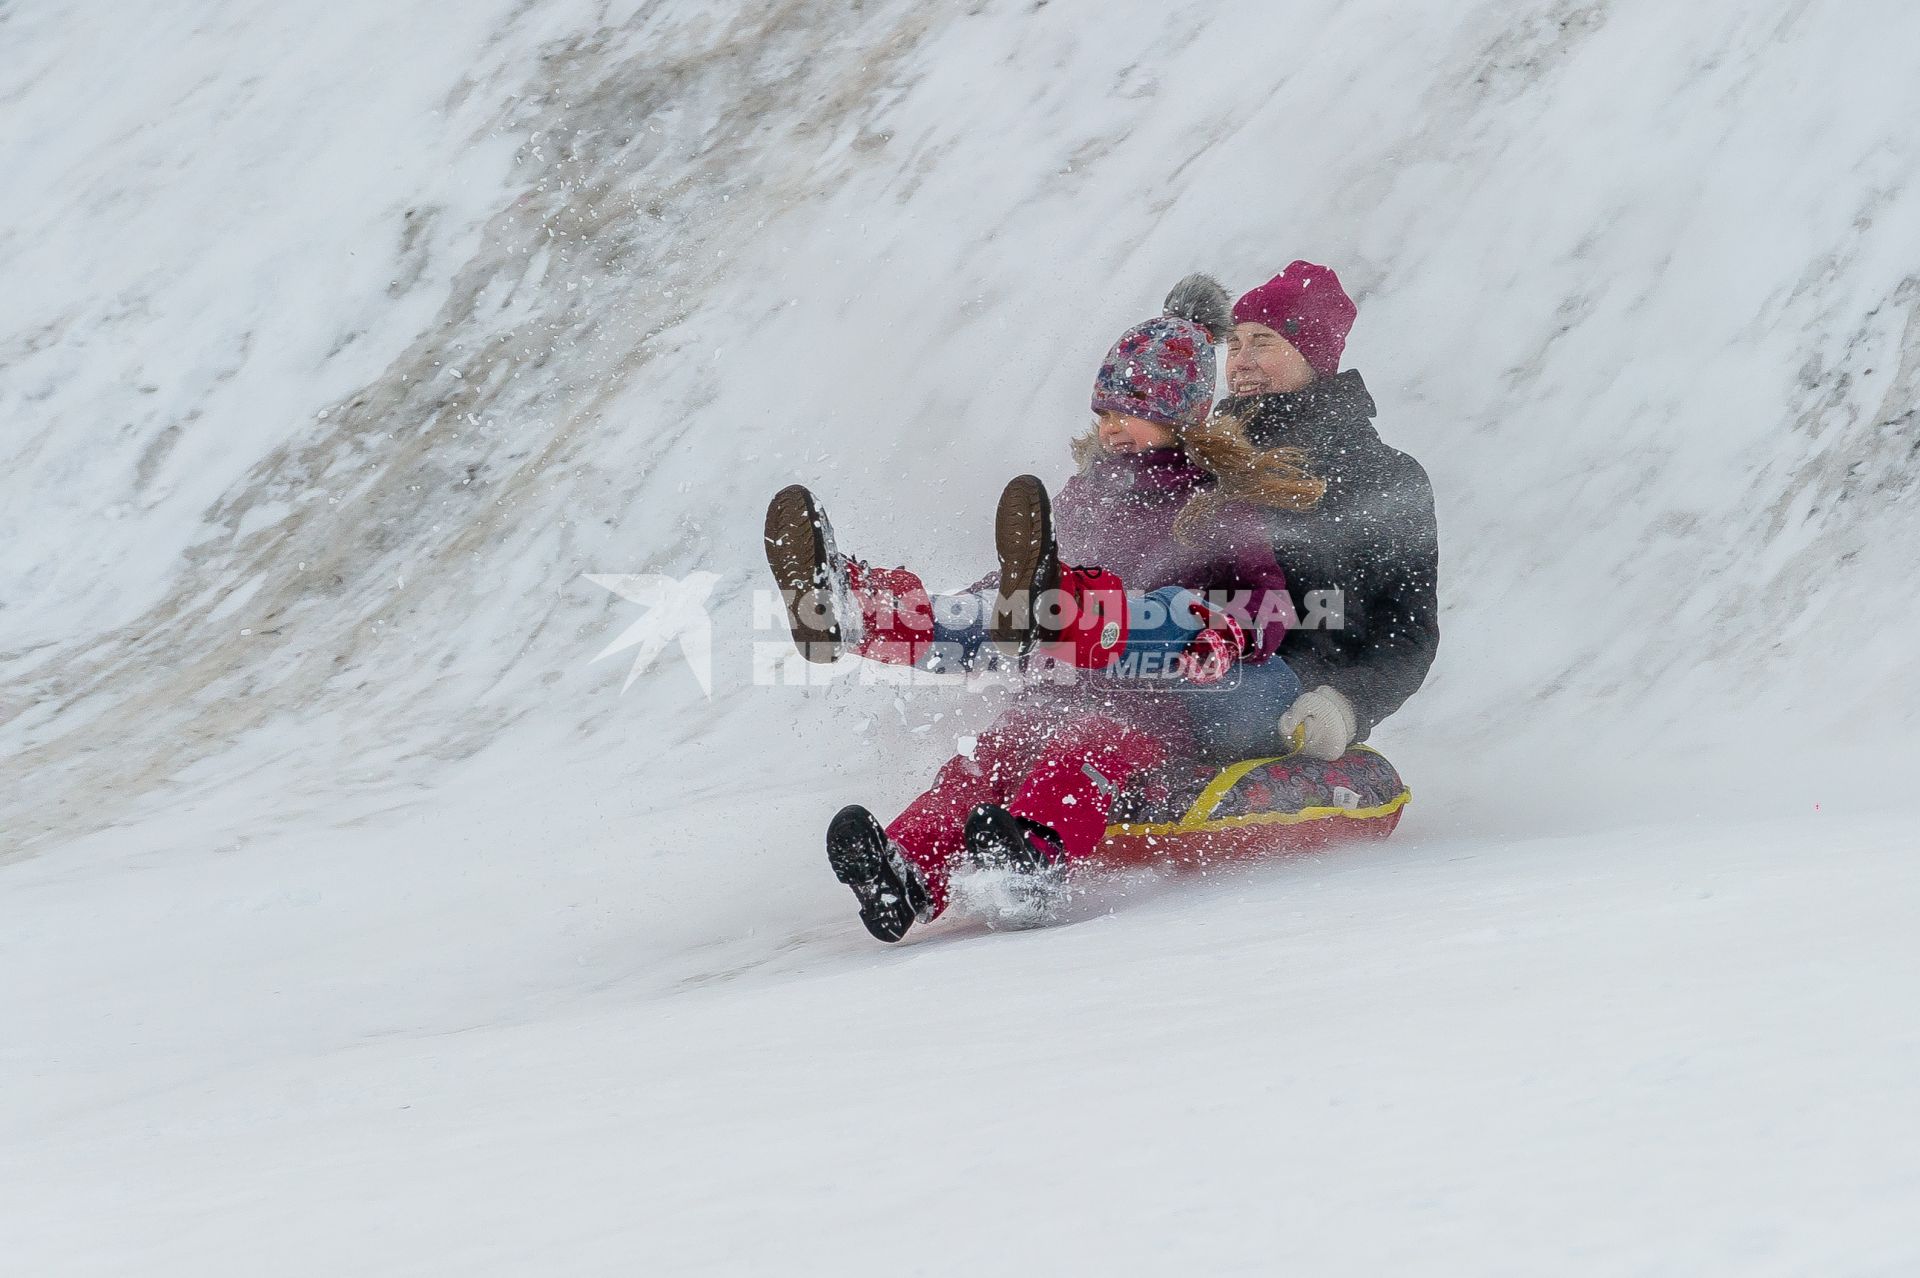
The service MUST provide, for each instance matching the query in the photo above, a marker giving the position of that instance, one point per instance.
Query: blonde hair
(1276, 478)
(1086, 447)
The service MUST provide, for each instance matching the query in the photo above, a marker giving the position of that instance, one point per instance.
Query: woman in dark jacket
(1362, 563)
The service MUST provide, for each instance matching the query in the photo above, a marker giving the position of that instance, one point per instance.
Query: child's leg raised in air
(836, 604)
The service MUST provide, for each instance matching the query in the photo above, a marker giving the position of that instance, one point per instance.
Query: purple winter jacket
(1118, 515)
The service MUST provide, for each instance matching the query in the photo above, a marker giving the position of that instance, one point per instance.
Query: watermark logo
(676, 612)
(915, 638)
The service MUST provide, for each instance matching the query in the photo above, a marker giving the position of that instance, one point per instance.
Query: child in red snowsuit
(1172, 636)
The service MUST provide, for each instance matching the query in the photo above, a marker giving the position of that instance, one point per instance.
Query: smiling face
(1121, 433)
(1261, 362)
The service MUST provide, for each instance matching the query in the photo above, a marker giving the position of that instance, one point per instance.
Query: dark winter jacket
(1118, 514)
(1371, 547)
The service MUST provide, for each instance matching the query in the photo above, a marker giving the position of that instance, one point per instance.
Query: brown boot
(1029, 566)
(806, 567)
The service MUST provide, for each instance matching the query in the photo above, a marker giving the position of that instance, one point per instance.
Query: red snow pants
(1058, 766)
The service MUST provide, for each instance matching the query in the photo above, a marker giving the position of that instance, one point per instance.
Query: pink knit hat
(1306, 305)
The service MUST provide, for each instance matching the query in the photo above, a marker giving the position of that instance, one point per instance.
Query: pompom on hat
(1163, 370)
(1306, 305)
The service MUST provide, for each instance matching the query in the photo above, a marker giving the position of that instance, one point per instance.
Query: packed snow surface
(354, 916)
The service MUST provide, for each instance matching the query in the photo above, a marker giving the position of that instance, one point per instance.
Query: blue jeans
(1237, 718)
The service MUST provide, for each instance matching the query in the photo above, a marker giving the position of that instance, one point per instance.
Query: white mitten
(1322, 722)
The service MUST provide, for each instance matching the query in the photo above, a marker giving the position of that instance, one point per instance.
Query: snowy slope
(351, 914)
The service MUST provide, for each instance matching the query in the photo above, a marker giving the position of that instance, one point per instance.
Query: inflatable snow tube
(1255, 808)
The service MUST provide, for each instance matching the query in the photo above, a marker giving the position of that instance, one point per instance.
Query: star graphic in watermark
(676, 610)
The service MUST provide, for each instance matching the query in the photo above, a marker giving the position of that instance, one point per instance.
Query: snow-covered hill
(350, 914)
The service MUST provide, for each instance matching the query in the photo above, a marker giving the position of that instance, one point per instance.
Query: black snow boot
(1029, 566)
(891, 893)
(807, 568)
(998, 840)
(1022, 869)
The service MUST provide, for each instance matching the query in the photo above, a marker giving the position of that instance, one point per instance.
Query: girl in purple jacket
(1166, 646)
